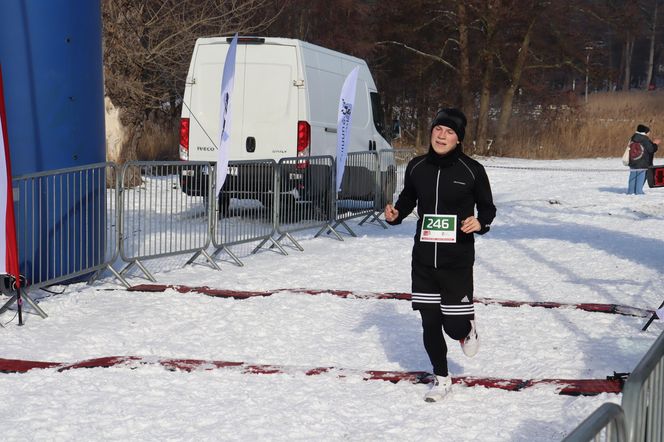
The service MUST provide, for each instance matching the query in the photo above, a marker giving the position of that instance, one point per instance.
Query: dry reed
(599, 128)
(159, 142)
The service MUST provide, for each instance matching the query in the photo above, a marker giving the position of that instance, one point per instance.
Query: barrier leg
(119, 276)
(375, 217)
(652, 318)
(18, 298)
(290, 237)
(140, 266)
(146, 272)
(115, 273)
(208, 258)
(229, 253)
(274, 244)
(333, 229)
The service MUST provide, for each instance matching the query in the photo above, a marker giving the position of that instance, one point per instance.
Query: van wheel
(223, 204)
(267, 200)
(322, 206)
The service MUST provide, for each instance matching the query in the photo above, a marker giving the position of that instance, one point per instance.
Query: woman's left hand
(470, 225)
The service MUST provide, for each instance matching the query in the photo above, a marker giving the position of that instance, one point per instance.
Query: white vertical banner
(346, 102)
(227, 81)
(660, 313)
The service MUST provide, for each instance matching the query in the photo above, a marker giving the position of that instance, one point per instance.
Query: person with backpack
(446, 186)
(641, 153)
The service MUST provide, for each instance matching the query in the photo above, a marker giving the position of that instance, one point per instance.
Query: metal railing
(76, 222)
(643, 396)
(246, 207)
(640, 418)
(66, 223)
(401, 159)
(392, 166)
(359, 192)
(606, 424)
(158, 218)
(305, 196)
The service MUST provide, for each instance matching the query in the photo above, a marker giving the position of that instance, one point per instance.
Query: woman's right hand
(391, 213)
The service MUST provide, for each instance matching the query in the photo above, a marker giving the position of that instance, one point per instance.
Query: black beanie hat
(452, 118)
(642, 128)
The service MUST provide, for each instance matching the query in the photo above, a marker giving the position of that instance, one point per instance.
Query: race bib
(439, 228)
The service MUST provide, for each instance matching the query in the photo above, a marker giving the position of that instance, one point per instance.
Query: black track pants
(433, 322)
(444, 298)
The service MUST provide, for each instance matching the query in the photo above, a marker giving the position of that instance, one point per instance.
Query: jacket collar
(443, 160)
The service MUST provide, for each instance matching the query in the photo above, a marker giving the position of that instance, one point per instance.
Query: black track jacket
(649, 149)
(452, 184)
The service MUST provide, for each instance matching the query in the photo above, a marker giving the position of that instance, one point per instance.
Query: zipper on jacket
(435, 245)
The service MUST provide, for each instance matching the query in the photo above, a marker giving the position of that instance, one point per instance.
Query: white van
(284, 101)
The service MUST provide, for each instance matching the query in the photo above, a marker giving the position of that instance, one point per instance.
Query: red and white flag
(8, 249)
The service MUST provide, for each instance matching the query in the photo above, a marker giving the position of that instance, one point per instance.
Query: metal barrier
(305, 196)
(166, 213)
(66, 225)
(401, 159)
(391, 170)
(360, 188)
(246, 207)
(643, 396)
(606, 424)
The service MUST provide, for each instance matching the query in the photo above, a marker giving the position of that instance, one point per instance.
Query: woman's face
(443, 139)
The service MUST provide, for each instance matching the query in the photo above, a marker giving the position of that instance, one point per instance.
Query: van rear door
(269, 102)
(264, 102)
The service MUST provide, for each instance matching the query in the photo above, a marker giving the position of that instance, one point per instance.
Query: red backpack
(635, 150)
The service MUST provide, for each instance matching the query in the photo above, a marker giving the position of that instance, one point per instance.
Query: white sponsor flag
(225, 114)
(346, 102)
(660, 313)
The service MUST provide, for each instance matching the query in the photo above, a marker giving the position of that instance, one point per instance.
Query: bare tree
(489, 12)
(653, 38)
(624, 19)
(148, 44)
(464, 59)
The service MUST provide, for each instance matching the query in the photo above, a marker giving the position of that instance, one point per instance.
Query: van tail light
(303, 137)
(303, 143)
(184, 139)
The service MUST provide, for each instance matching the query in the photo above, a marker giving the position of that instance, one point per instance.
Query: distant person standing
(446, 185)
(641, 153)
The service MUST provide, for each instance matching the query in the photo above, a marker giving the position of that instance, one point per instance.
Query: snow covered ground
(560, 235)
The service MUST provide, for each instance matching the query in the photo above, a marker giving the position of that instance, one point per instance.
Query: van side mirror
(395, 129)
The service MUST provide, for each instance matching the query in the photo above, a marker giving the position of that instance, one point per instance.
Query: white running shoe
(471, 343)
(441, 386)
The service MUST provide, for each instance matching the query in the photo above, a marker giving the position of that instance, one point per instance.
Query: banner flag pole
(227, 81)
(344, 117)
(8, 247)
(658, 313)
